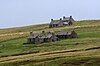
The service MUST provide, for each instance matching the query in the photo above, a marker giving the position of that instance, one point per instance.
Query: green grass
(88, 37)
(15, 33)
(73, 61)
(24, 29)
(16, 46)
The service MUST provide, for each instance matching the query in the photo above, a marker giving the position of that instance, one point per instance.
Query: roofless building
(65, 21)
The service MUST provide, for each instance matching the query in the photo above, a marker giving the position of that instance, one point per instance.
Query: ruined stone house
(66, 34)
(41, 37)
(37, 38)
(61, 22)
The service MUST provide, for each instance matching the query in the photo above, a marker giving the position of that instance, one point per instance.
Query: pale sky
(25, 12)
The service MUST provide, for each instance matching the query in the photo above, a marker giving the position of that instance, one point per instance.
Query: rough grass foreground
(48, 57)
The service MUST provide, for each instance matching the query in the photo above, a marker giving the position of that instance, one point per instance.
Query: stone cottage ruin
(42, 37)
(65, 34)
(65, 21)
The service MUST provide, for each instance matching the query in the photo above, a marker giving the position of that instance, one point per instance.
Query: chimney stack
(60, 19)
(51, 19)
(64, 17)
(70, 16)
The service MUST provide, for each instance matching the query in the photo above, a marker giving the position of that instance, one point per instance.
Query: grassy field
(82, 51)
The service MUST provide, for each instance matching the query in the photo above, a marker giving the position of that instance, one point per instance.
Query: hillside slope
(82, 51)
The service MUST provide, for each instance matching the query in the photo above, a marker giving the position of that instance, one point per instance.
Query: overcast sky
(25, 12)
